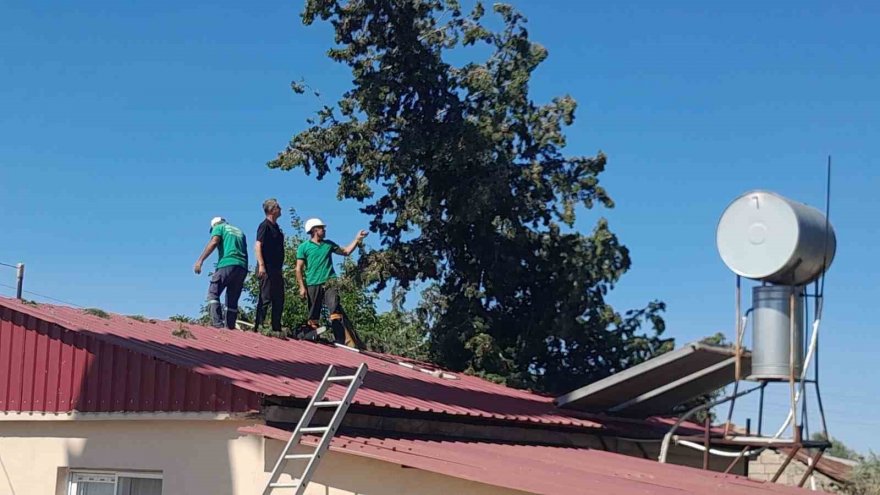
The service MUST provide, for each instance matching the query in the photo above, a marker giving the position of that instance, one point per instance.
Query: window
(118, 483)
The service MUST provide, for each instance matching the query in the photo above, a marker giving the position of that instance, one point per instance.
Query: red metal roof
(245, 360)
(541, 469)
(264, 365)
(46, 368)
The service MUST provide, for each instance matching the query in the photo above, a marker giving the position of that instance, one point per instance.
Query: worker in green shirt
(314, 269)
(230, 272)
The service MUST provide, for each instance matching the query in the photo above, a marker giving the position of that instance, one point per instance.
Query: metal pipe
(820, 302)
(707, 427)
(738, 329)
(803, 385)
(792, 360)
(761, 409)
(664, 447)
(827, 226)
(811, 465)
(19, 279)
(814, 344)
(785, 464)
(736, 460)
(717, 452)
(821, 413)
(642, 450)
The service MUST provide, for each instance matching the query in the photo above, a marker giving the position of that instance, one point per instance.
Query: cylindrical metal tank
(771, 332)
(767, 237)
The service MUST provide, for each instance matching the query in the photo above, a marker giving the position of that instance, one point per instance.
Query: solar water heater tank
(767, 237)
(772, 332)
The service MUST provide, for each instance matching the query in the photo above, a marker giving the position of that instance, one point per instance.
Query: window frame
(72, 477)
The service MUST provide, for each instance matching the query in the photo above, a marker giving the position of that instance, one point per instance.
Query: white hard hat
(312, 223)
(216, 221)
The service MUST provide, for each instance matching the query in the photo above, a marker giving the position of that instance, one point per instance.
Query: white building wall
(194, 457)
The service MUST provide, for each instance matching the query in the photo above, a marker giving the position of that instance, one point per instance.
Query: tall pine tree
(466, 183)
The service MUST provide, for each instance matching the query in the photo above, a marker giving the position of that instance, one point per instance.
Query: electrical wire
(43, 296)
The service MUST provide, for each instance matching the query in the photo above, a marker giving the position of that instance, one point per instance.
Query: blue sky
(127, 125)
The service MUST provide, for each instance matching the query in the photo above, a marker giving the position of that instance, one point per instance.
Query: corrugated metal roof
(286, 368)
(541, 469)
(45, 367)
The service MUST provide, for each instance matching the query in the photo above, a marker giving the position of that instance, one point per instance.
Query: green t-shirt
(233, 246)
(319, 265)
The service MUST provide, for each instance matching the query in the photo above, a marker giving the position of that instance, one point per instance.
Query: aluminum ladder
(302, 427)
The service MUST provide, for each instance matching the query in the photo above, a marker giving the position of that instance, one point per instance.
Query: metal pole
(736, 460)
(707, 427)
(761, 409)
(19, 279)
(794, 451)
(737, 329)
(812, 466)
(791, 364)
(667, 438)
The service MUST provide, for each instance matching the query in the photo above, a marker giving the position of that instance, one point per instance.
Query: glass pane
(138, 486)
(87, 488)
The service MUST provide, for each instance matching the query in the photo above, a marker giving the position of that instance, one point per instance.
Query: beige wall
(195, 457)
(765, 466)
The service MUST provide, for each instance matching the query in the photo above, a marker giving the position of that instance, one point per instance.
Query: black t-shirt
(272, 239)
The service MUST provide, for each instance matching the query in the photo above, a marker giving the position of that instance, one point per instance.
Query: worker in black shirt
(270, 259)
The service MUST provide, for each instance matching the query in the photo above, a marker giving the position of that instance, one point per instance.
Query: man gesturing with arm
(314, 269)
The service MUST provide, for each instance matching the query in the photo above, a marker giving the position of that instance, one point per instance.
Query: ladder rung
(285, 485)
(314, 429)
(298, 456)
(343, 378)
(328, 403)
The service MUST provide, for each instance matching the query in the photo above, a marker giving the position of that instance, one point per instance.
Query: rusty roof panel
(47, 367)
(540, 469)
(249, 361)
(240, 366)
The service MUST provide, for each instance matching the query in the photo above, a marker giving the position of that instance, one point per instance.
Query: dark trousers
(320, 296)
(230, 279)
(271, 293)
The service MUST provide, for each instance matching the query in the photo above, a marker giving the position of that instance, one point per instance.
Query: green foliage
(465, 181)
(139, 318)
(396, 332)
(865, 477)
(183, 332)
(838, 448)
(182, 319)
(100, 313)
(203, 319)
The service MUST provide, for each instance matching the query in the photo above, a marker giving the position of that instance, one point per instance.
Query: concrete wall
(768, 463)
(194, 457)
